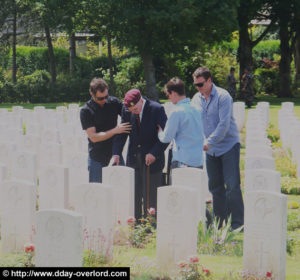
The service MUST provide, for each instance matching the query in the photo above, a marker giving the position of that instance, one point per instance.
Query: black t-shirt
(103, 119)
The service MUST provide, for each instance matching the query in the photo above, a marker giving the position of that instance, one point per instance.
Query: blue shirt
(220, 128)
(184, 127)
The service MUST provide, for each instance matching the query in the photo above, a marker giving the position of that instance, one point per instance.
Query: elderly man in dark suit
(145, 151)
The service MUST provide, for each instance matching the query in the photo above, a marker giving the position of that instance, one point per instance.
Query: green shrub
(129, 75)
(266, 49)
(273, 133)
(290, 185)
(268, 80)
(36, 87)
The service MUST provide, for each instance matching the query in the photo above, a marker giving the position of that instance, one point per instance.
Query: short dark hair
(232, 69)
(175, 84)
(98, 84)
(202, 71)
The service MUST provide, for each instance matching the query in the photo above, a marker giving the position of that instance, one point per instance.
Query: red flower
(131, 220)
(194, 259)
(182, 264)
(29, 248)
(269, 274)
(151, 211)
(206, 271)
(119, 222)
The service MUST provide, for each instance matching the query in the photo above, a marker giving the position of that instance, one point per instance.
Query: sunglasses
(101, 98)
(199, 85)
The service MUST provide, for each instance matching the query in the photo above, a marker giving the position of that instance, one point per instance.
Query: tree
(248, 11)
(96, 16)
(48, 14)
(287, 14)
(158, 27)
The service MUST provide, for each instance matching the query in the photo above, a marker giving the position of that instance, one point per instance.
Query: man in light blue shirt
(222, 146)
(184, 128)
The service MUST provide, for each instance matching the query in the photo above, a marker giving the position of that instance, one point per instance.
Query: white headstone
(121, 178)
(262, 180)
(177, 223)
(259, 162)
(265, 234)
(194, 178)
(18, 200)
(260, 150)
(24, 166)
(50, 153)
(54, 187)
(94, 202)
(59, 238)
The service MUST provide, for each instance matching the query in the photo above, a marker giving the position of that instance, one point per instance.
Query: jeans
(95, 169)
(224, 184)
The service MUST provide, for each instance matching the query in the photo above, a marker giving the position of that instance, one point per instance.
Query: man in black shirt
(99, 119)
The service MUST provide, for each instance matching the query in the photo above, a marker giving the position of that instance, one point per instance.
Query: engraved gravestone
(24, 166)
(194, 178)
(50, 153)
(262, 180)
(259, 162)
(176, 234)
(59, 238)
(94, 202)
(121, 178)
(18, 200)
(265, 234)
(54, 187)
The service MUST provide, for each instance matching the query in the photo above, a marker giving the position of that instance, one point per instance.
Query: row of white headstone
(96, 209)
(289, 126)
(265, 207)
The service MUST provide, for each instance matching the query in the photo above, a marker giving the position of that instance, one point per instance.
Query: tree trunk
(149, 72)
(110, 62)
(285, 61)
(297, 59)
(72, 52)
(51, 55)
(245, 45)
(14, 44)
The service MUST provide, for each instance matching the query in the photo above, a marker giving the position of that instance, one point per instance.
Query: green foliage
(290, 245)
(129, 75)
(142, 233)
(219, 63)
(219, 241)
(273, 133)
(284, 163)
(290, 185)
(93, 259)
(190, 270)
(266, 49)
(293, 205)
(36, 87)
(293, 220)
(267, 80)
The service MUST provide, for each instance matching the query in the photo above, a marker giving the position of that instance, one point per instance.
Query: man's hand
(149, 159)
(205, 147)
(159, 128)
(122, 128)
(115, 160)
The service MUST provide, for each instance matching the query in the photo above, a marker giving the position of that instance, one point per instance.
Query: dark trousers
(140, 206)
(224, 184)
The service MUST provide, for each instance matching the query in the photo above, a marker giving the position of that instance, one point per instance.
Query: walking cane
(148, 186)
